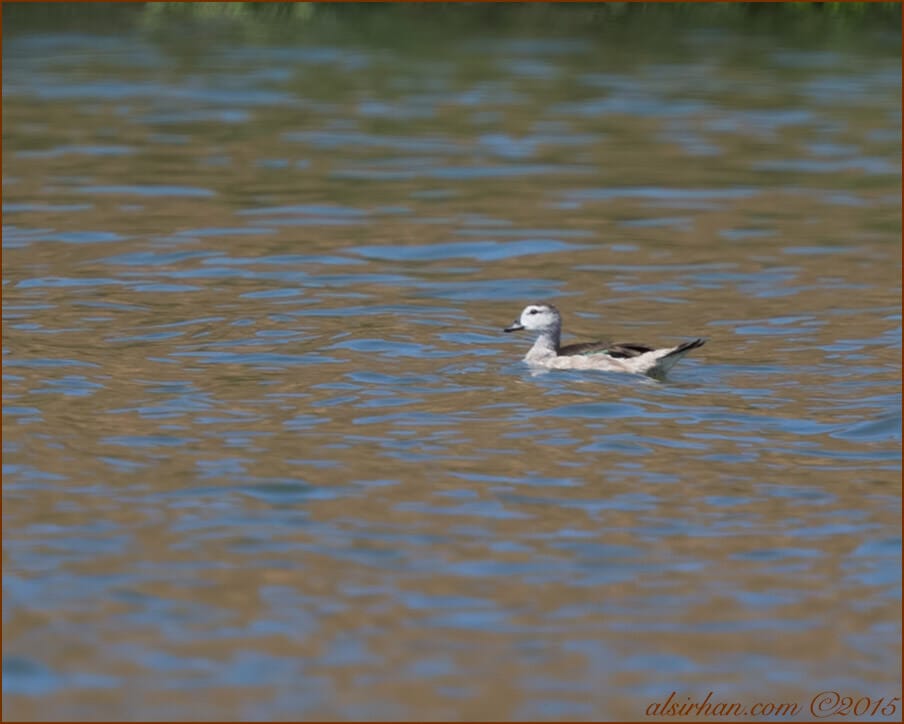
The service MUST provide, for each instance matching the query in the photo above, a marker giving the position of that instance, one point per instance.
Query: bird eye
(534, 311)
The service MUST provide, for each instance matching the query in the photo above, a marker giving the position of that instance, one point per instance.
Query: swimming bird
(548, 352)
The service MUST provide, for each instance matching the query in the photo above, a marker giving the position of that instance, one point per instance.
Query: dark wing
(620, 351)
(584, 348)
(625, 350)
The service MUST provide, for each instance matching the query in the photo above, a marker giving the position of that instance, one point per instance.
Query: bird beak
(515, 326)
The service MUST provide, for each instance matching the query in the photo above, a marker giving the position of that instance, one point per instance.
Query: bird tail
(668, 360)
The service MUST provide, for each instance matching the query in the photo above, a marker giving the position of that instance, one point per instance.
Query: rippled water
(268, 455)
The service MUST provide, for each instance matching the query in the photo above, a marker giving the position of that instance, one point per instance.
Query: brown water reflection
(267, 454)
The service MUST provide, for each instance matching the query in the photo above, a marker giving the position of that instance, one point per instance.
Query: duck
(548, 352)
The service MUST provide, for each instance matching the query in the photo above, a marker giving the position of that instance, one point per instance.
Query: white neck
(547, 345)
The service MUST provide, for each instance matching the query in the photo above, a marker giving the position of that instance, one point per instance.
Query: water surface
(268, 455)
